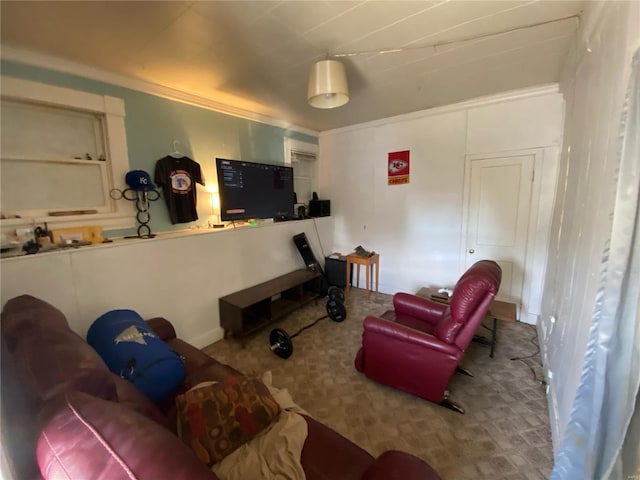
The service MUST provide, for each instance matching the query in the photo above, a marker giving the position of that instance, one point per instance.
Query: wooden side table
(498, 310)
(369, 263)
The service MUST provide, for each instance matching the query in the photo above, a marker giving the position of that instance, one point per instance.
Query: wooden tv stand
(248, 310)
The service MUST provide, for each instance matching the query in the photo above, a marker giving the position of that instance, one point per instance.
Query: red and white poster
(398, 168)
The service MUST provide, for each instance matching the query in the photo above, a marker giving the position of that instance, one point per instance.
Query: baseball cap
(139, 180)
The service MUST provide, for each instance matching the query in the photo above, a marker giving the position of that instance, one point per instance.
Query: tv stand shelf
(246, 311)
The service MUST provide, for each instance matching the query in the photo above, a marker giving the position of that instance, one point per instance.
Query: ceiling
(255, 55)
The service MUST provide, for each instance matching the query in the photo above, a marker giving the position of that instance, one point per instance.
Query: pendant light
(327, 85)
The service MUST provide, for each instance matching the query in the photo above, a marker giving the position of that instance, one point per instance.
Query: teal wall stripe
(153, 123)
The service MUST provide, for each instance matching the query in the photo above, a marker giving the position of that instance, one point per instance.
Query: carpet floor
(504, 434)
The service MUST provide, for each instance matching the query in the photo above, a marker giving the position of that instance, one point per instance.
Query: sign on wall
(398, 167)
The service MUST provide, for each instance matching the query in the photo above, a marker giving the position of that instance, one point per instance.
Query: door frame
(545, 163)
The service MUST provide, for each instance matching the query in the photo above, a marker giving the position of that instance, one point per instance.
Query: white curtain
(592, 447)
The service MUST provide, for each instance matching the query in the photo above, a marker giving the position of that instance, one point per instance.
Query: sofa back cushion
(49, 357)
(19, 428)
(22, 314)
(41, 359)
(87, 437)
(53, 362)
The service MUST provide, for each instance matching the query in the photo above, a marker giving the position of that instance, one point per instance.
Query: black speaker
(319, 208)
(305, 251)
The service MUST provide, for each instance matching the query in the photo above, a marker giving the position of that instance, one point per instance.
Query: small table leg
(489, 342)
(377, 274)
(367, 275)
(494, 332)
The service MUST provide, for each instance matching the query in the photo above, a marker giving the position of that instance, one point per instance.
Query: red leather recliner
(417, 346)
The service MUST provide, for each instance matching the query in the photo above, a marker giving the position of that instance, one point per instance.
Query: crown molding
(508, 96)
(41, 60)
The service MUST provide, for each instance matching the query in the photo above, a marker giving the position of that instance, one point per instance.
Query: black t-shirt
(177, 177)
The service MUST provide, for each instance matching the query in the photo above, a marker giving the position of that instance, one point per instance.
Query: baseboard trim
(529, 318)
(207, 338)
(552, 397)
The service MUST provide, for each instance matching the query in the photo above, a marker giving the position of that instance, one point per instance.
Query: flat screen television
(254, 190)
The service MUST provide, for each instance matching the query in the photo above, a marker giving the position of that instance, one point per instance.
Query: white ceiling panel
(527, 13)
(375, 16)
(305, 16)
(239, 14)
(255, 55)
(479, 50)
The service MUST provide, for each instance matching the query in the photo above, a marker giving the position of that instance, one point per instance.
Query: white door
(499, 202)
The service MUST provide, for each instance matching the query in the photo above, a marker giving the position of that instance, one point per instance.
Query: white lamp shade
(327, 85)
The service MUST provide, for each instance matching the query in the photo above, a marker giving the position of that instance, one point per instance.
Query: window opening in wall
(302, 157)
(303, 175)
(51, 159)
(61, 152)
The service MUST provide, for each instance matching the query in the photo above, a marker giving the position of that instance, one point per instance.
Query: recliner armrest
(418, 307)
(394, 464)
(406, 334)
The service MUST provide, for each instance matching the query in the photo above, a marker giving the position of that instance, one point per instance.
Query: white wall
(176, 276)
(417, 228)
(594, 84)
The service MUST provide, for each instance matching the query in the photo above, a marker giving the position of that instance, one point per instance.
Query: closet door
(498, 208)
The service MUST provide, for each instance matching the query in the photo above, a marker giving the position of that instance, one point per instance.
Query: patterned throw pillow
(216, 418)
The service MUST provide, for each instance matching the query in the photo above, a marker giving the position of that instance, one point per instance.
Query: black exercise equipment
(336, 310)
(303, 246)
(306, 253)
(282, 343)
(336, 293)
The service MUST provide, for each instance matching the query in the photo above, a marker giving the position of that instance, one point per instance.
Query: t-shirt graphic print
(177, 178)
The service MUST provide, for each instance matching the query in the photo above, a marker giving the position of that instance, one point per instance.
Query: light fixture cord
(459, 40)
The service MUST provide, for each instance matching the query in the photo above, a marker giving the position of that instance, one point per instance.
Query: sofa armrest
(327, 455)
(115, 442)
(162, 327)
(399, 465)
(418, 307)
(402, 333)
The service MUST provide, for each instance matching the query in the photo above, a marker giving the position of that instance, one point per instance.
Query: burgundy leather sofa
(417, 346)
(65, 415)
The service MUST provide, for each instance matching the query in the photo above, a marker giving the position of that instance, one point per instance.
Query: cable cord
(469, 38)
(319, 241)
(308, 326)
(534, 341)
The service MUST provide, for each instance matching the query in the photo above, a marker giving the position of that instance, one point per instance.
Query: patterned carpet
(503, 435)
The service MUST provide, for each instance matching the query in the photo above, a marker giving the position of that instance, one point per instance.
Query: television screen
(254, 190)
